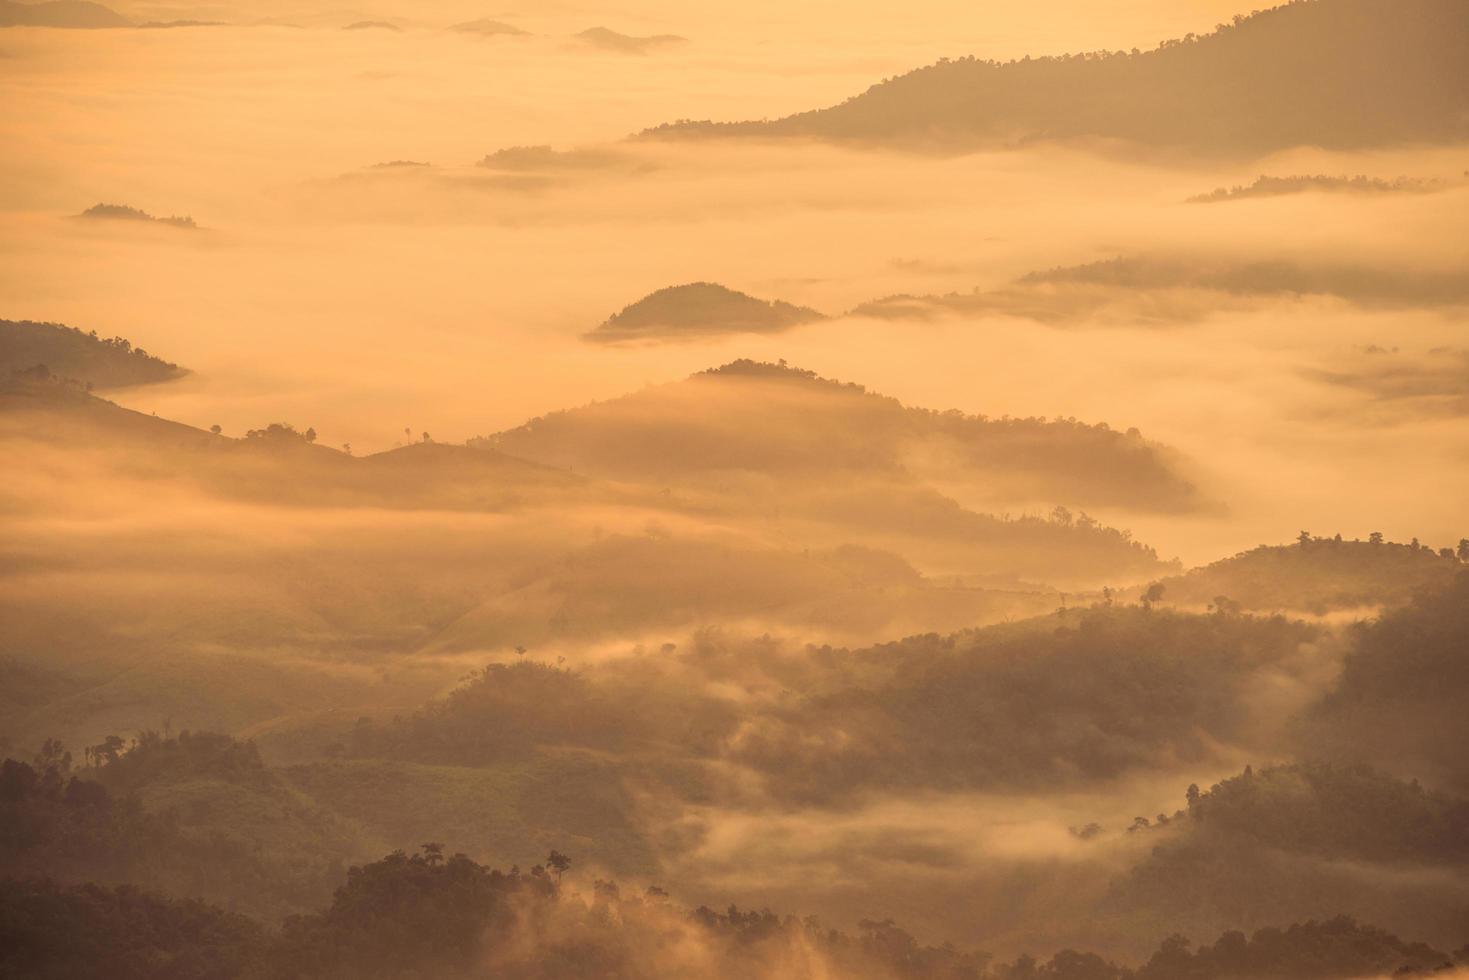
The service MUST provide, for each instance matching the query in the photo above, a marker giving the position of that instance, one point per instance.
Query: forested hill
(1319, 574)
(699, 309)
(84, 357)
(787, 423)
(1334, 73)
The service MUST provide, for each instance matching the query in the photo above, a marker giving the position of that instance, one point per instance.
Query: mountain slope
(789, 424)
(1335, 73)
(85, 357)
(1319, 576)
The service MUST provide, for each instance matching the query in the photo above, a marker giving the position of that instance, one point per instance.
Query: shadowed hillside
(1334, 73)
(1309, 840)
(1400, 701)
(84, 357)
(791, 425)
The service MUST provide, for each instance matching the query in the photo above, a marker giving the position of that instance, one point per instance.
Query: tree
(1375, 537)
(433, 853)
(1223, 605)
(309, 435)
(1464, 549)
(558, 863)
(109, 749)
(216, 428)
(1304, 538)
(53, 756)
(1192, 795)
(1152, 595)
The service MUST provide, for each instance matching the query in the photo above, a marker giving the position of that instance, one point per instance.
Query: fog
(437, 298)
(1063, 630)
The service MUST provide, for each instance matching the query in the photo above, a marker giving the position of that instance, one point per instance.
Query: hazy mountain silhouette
(122, 212)
(284, 465)
(1267, 186)
(167, 24)
(1436, 383)
(790, 425)
(488, 28)
(368, 25)
(542, 158)
(610, 40)
(84, 357)
(1334, 73)
(1179, 289)
(698, 310)
(1364, 285)
(59, 13)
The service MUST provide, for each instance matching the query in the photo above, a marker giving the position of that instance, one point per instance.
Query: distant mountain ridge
(699, 309)
(123, 212)
(1333, 73)
(778, 420)
(60, 13)
(610, 40)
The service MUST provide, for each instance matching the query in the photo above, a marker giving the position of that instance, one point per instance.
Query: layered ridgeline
(59, 13)
(1334, 73)
(86, 358)
(1181, 289)
(441, 548)
(792, 427)
(624, 760)
(435, 548)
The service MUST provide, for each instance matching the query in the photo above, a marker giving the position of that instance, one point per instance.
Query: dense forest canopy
(447, 916)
